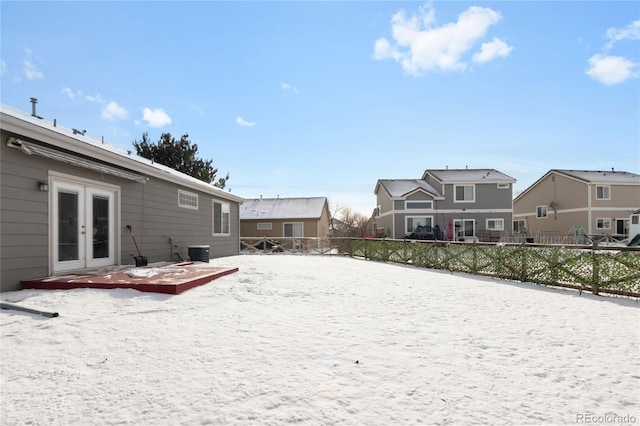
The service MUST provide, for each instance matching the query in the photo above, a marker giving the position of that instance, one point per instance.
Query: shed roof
(36, 128)
(282, 208)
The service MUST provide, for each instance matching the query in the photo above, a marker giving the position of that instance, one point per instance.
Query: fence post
(366, 250)
(474, 252)
(595, 279)
(524, 263)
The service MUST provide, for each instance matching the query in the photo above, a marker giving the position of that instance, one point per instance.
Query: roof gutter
(58, 138)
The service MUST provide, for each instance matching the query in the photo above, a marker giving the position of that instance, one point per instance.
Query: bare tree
(353, 224)
(334, 211)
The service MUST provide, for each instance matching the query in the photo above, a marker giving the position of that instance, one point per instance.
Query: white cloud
(382, 49)
(420, 45)
(155, 117)
(630, 32)
(30, 71)
(242, 122)
(611, 70)
(494, 49)
(113, 112)
(288, 87)
(70, 93)
(198, 109)
(97, 98)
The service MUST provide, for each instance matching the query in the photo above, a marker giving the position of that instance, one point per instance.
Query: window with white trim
(603, 192)
(464, 193)
(187, 200)
(293, 230)
(541, 212)
(603, 223)
(495, 224)
(221, 218)
(519, 225)
(413, 222)
(503, 186)
(265, 226)
(425, 205)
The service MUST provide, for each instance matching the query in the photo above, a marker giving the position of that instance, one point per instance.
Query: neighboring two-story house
(462, 204)
(285, 217)
(596, 202)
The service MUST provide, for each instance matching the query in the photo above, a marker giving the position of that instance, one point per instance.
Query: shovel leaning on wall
(140, 259)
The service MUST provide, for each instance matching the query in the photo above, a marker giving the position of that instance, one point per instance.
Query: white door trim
(86, 190)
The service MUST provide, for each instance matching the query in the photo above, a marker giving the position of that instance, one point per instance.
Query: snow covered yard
(321, 341)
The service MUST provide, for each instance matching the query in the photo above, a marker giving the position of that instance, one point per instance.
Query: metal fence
(614, 270)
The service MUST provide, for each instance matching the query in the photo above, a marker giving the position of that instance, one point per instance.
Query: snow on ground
(321, 341)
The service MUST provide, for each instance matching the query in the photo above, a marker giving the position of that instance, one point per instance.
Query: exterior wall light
(43, 186)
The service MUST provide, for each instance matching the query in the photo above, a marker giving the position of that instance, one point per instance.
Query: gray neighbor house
(463, 204)
(66, 202)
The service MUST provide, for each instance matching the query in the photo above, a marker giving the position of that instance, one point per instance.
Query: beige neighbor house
(285, 217)
(576, 201)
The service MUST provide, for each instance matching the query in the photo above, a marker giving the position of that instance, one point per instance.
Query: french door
(464, 228)
(622, 226)
(83, 225)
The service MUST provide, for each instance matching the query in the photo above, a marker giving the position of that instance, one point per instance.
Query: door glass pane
(100, 227)
(293, 230)
(468, 228)
(217, 218)
(225, 222)
(67, 226)
(297, 232)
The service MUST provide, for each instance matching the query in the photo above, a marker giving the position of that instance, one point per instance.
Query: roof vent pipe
(34, 101)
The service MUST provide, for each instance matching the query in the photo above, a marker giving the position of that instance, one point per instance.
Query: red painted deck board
(167, 279)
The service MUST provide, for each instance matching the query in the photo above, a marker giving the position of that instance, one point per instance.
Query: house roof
(398, 188)
(467, 175)
(73, 141)
(590, 176)
(282, 208)
(599, 176)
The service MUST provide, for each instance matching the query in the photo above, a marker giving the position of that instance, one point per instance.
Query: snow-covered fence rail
(596, 269)
(307, 245)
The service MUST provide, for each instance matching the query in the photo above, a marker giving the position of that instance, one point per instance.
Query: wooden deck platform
(172, 278)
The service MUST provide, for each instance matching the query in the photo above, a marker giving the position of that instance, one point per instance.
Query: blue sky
(325, 98)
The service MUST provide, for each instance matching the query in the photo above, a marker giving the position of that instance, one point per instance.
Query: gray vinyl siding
(487, 196)
(419, 196)
(150, 208)
(159, 217)
(385, 218)
(24, 224)
(399, 220)
(385, 222)
(384, 201)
